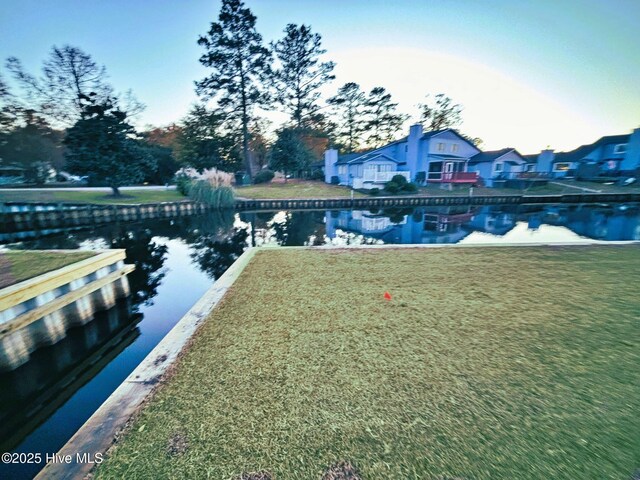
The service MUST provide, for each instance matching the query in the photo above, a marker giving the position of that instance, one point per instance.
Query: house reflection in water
(439, 225)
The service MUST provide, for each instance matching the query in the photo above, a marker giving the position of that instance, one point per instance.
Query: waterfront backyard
(492, 362)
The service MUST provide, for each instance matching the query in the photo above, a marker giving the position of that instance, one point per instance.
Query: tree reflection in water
(148, 257)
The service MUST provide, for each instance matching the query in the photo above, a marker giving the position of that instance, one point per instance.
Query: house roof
(584, 150)
(433, 133)
(531, 158)
(494, 155)
(344, 159)
(372, 156)
(447, 156)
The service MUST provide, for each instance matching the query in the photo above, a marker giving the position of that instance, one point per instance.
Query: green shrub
(335, 180)
(316, 175)
(400, 180)
(421, 177)
(374, 191)
(392, 187)
(183, 183)
(216, 197)
(263, 176)
(410, 187)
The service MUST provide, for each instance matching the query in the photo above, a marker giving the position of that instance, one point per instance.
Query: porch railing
(382, 177)
(452, 177)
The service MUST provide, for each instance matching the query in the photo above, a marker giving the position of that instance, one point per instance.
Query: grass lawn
(318, 189)
(128, 196)
(16, 266)
(488, 363)
(561, 187)
(603, 187)
(295, 189)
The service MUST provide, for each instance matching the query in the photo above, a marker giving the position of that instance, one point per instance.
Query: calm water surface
(45, 401)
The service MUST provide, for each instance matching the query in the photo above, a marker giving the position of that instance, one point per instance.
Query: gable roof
(494, 155)
(531, 158)
(344, 159)
(584, 150)
(372, 156)
(433, 133)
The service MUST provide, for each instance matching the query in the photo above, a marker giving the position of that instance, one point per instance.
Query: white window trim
(342, 169)
(556, 169)
(441, 147)
(617, 148)
(454, 147)
(495, 167)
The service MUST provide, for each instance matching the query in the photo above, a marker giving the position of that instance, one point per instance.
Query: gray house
(610, 156)
(505, 164)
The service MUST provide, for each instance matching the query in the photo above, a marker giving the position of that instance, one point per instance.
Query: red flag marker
(387, 296)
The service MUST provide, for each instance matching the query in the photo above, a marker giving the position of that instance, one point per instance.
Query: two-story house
(610, 156)
(436, 157)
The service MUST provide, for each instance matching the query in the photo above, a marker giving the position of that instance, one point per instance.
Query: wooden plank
(98, 433)
(32, 287)
(60, 302)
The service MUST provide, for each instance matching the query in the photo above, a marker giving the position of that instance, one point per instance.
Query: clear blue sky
(529, 73)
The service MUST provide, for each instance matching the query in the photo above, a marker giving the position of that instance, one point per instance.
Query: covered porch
(450, 170)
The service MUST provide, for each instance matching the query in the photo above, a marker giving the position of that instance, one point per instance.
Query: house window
(441, 147)
(342, 170)
(497, 167)
(620, 148)
(454, 148)
(561, 167)
(531, 167)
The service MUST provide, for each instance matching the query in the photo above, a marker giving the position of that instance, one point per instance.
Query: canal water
(44, 402)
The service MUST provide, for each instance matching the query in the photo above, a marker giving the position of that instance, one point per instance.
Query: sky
(530, 74)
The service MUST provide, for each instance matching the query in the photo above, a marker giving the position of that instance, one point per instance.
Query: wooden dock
(40, 310)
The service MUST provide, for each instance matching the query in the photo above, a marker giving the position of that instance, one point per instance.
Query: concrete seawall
(22, 217)
(18, 216)
(416, 201)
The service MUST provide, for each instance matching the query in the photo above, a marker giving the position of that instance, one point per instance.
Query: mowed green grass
(488, 363)
(295, 189)
(16, 266)
(128, 196)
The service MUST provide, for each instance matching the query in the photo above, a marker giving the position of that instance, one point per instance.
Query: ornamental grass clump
(212, 186)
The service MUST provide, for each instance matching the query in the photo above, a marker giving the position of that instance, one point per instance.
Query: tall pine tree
(300, 74)
(240, 64)
(383, 120)
(349, 107)
(440, 113)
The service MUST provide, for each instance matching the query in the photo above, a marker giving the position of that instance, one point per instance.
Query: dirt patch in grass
(177, 444)
(342, 470)
(488, 363)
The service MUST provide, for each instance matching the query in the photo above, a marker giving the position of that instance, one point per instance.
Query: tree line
(71, 117)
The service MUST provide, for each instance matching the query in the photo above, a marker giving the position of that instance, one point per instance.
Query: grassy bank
(319, 189)
(128, 196)
(16, 266)
(295, 189)
(487, 363)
